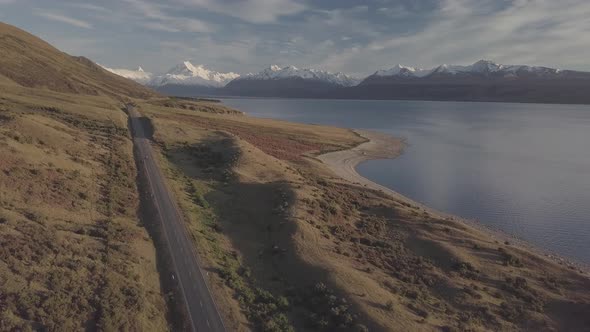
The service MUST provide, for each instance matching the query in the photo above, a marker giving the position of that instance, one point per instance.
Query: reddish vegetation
(281, 148)
(284, 148)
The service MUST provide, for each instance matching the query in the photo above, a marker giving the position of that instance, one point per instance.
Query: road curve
(199, 302)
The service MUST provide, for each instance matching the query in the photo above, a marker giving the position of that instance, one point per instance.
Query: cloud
(63, 19)
(253, 11)
(88, 6)
(543, 32)
(335, 35)
(160, 20)
(159, 27)
(397, 11)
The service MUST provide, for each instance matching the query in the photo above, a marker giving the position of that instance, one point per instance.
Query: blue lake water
(520, 168)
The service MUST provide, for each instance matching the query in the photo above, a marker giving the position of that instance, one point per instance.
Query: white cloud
(544, 32)
(253, 11)
(160, 20)
(397, 11)
(246, 35)
(88, 6)
(160, 27)
(63, 19)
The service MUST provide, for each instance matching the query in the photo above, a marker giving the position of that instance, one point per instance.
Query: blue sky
(355, 37)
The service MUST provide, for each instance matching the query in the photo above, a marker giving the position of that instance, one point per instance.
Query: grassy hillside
(73, 254)
(31, 62)
(291, 246)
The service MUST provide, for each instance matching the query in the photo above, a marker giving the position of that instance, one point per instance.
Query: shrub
(518, 287)
(361, 328)
(509, 259)
(389, 305)
(326, 310)
(512, 311)
(466, 270)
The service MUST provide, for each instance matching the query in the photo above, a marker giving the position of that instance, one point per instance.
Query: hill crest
(31, 62)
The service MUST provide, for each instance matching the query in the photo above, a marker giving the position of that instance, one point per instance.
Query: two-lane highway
(199, 302)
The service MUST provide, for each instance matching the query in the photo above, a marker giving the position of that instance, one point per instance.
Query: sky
(354, 37)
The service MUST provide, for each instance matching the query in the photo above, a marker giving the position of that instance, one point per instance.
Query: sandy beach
(379, 146)
(382, 146)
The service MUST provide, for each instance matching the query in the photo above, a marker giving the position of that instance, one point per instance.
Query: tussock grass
(72, 252)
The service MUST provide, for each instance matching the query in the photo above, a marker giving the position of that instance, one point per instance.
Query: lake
(523, 169)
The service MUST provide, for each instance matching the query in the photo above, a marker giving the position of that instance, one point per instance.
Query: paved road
(200, 305)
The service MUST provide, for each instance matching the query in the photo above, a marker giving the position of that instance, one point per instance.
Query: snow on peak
(139, 75)
(186, 73)
(404, 71)
(481, 67)
(486, 66)
(275, 72)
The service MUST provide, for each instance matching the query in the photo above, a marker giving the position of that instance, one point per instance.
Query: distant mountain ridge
(482, 68)
(188, 74)
(288, 81)
(275, 72)
(184, 73)
(483, 80)
(139, 75)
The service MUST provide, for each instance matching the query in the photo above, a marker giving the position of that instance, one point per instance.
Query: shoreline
(383, 146)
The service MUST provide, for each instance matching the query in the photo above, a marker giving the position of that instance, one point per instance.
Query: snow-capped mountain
(484, 68)
(139, 75)
(483, 80)
(289, 81)
(404, 71)
(275, 72)
(188, 74)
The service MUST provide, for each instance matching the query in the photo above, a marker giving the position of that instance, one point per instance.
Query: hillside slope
(74, 255)
(31, 62)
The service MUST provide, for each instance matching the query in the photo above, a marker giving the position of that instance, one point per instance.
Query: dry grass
(276, 228)
(73, 254)
(204, 106)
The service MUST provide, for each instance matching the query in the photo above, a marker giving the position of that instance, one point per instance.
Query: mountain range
(187, 79)
(483, 80)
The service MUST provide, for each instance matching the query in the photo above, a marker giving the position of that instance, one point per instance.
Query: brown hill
(31, 62)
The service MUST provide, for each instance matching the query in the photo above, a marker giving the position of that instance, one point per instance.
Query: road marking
(208, 323)
(190, 273)
(201, 302)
